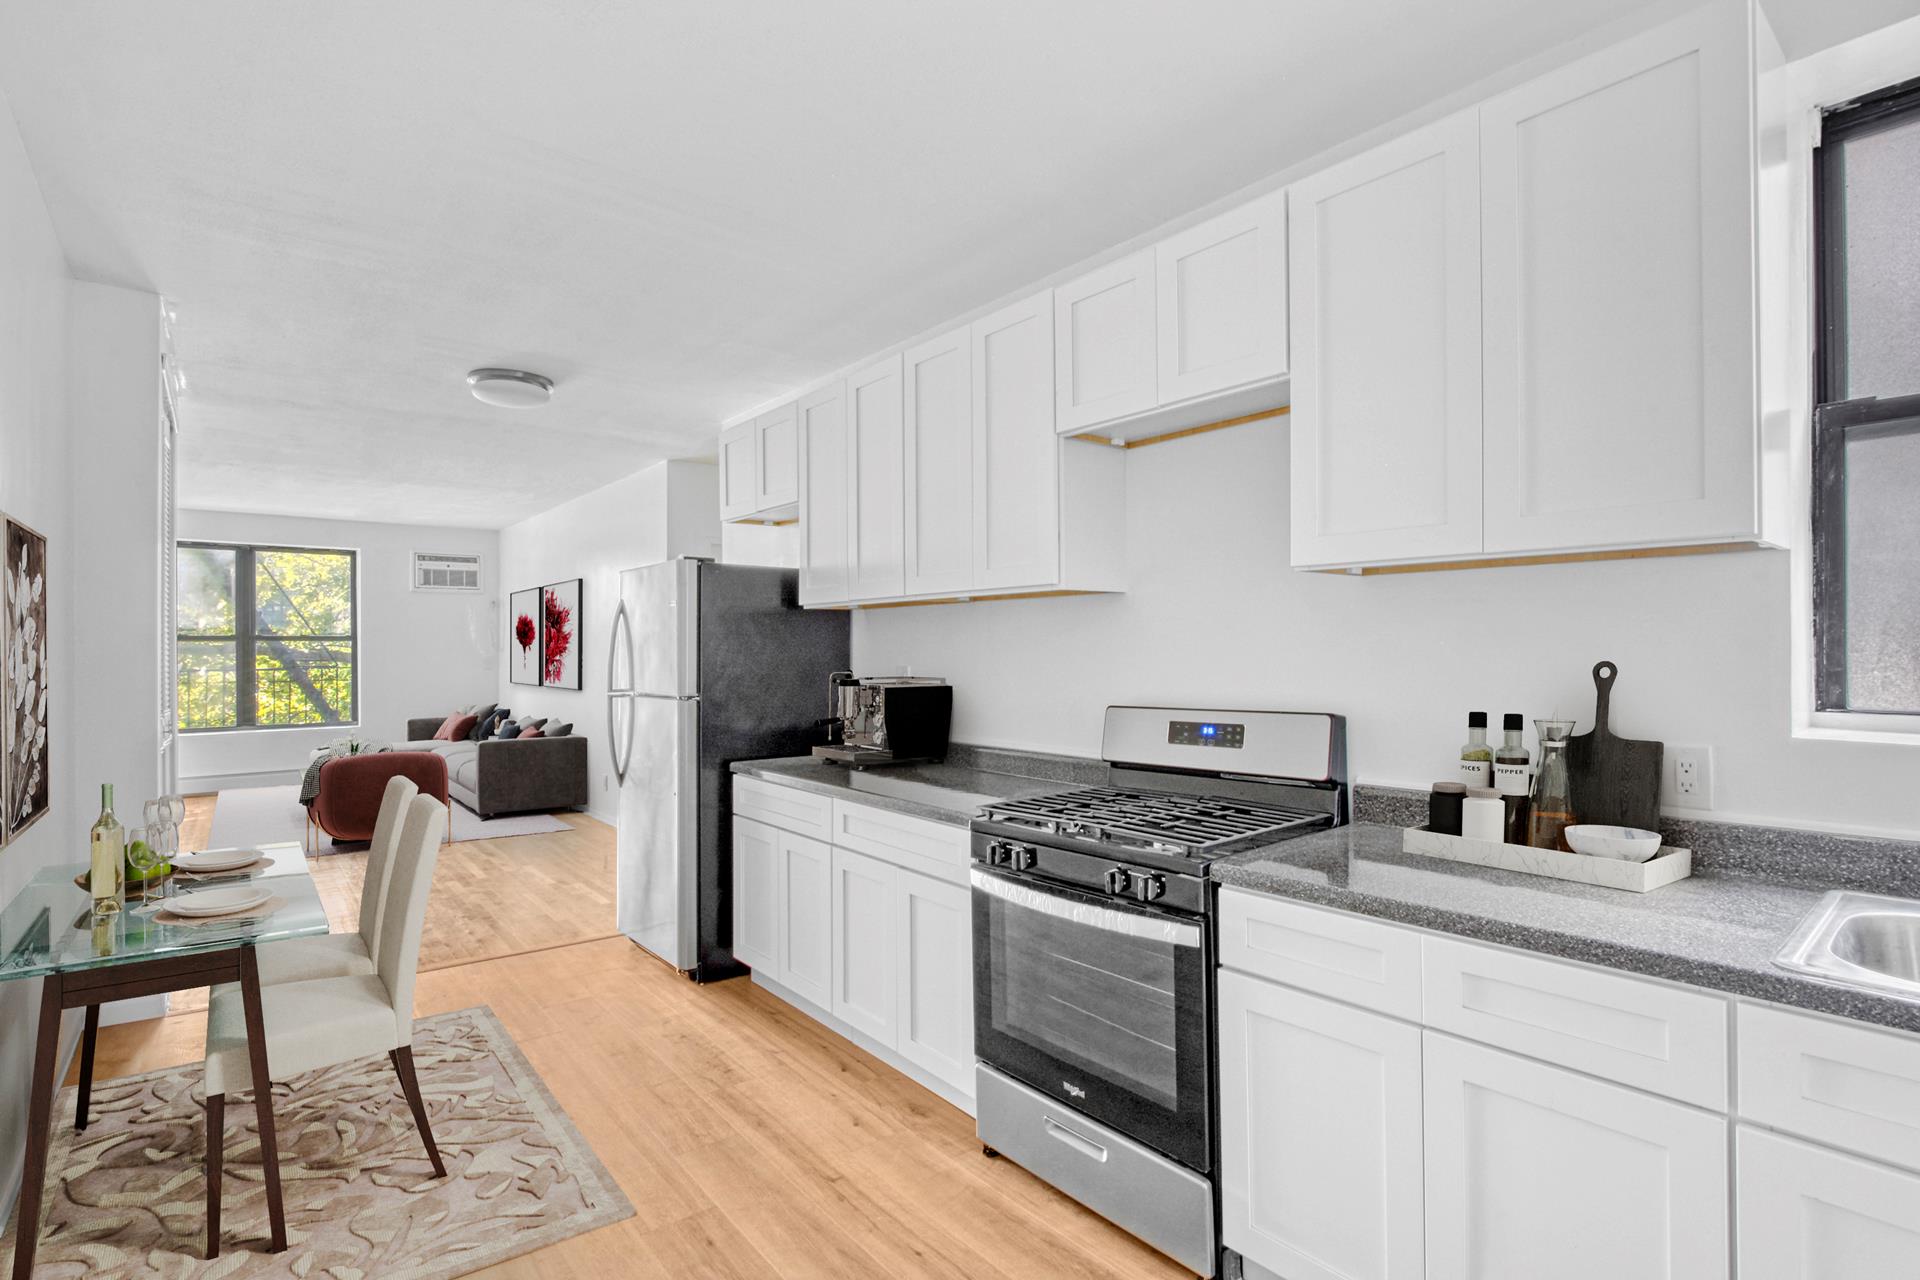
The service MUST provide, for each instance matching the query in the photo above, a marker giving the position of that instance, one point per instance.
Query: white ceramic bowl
(1628, 844)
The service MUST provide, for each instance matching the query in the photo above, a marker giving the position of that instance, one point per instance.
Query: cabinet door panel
(1618, 206)
(1811, 1214)
(875, 483)
(756, 895)
(1016, 456)
(737, 479)
(938, 434)
(1386, 346)
(1320, 1135)
(1103, 328)
(776, 462)
(863, 944)
(1221, 295)
(1847, 1085)
(806, 918)
(934, 949)
(1532, 1170)
(823, 495)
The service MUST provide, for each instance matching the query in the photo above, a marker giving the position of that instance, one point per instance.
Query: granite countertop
(950, 792)
(1714, 930)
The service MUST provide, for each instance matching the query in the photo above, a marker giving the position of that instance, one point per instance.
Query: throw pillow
(481, 714)
(507, 730)
(454, 728)
(489, 725)
(553, 730)
(531, 733)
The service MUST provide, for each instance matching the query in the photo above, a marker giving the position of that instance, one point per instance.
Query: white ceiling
(675, 209)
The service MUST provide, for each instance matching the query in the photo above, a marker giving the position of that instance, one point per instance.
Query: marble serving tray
(1664, 867)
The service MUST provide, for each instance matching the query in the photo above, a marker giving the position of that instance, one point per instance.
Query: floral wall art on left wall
(23, 684)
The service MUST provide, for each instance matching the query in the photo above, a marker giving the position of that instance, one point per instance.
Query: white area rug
(263, 815)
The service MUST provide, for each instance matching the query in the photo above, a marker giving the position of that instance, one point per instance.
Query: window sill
(344, 727)
(1844, 726)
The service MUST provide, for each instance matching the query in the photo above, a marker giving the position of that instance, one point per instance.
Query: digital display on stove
(1200, 733)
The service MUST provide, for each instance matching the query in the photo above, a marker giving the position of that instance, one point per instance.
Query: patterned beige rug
(361, 1200)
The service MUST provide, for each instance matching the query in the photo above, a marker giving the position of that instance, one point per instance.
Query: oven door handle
(1153, 928)
(1073, 1138)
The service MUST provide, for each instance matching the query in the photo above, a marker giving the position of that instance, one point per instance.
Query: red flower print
(559, 619)
(523, 633)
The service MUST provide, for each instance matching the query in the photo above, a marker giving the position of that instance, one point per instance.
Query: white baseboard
(239, 781)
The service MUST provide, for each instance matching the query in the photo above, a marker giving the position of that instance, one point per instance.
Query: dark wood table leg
(87, 1037)
(262, 1094)
(39, 1124)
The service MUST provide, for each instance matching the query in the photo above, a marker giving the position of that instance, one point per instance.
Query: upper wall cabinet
(1016, 457)
(938, 460)
(876, 552)
(760, 467)
(1530, 330)
(823, 494)
(1386, 351)
(1617, 210)
(1190, 332)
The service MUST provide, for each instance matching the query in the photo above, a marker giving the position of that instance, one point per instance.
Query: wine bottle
(106, 875)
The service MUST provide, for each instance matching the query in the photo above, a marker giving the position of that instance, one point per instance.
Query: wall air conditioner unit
(433, 571)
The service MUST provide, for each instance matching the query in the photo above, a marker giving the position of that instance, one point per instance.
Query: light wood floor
(752, 1141)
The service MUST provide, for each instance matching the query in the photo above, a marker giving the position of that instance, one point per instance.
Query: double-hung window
(1866, 420)
(265, 636)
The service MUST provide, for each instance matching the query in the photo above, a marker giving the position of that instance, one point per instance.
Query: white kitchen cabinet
(1532, 1170)
(805, 936)
(824, 567)
(1104, 342)
(938, 458)
(863, 944)
(756, 894)
(876, 550)
(776, 459)
(1016, 457)
(1807, 1213)
(1617, 212)
(932, 922)
(737, 480)
(1221, 302)
(1320, 1135)
(1850, 1086)
(1385, 430)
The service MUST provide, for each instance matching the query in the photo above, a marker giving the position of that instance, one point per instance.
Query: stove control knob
(1000, 854)
(1149, 887)
(1024, 856)
(1118, 880)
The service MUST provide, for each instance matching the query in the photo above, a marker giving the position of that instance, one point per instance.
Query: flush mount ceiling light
(510, 388)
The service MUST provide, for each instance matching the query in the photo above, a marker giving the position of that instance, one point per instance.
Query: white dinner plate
(216, 860)
(218, 902)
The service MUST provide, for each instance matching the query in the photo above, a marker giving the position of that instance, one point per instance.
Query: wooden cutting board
(1613, 780)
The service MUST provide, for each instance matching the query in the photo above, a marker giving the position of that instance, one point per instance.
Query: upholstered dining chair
(346, 955)
(328, 1021)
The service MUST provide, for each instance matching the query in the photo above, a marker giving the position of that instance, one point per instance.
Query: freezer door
(658, 839)
(663, 603)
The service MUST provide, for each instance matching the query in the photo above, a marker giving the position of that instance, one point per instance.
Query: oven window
(1100, 1001)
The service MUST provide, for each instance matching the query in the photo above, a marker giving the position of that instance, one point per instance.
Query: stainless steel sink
(1859, 940)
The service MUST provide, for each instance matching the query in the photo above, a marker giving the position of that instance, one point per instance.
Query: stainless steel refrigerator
(708, 664)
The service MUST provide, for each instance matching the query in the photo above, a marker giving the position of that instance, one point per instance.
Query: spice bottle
(1511, 777)
(1476, 758)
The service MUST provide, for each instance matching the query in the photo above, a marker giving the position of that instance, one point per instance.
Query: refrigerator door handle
(620, 733)
(619, 672)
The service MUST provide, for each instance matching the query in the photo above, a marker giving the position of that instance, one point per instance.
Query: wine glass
(143, 856)
(174, 814)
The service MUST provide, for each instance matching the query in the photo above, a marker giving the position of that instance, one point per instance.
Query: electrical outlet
(1692, 777)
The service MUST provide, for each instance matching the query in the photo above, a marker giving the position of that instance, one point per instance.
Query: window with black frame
(1866, 420)
(265, 636)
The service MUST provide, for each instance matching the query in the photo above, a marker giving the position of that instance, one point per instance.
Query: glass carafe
(1552, 796)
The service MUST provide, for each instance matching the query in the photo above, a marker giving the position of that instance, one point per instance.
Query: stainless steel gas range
(1093, 955)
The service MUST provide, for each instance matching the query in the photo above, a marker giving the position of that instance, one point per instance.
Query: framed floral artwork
(523, 636)
(24, 683)
(560, 634)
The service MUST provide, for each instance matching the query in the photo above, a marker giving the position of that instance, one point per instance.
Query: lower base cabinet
(756, 893)
(1534, 1171)
(805, 958)
(1807, 1213)
(863, 944)
(933, 933)
(1320, 1159)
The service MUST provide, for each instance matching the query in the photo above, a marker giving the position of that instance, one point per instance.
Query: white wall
(422, 653)
(670, 509)
(1214, 617)
(34, 467)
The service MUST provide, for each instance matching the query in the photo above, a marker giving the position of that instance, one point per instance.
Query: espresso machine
(876, 720)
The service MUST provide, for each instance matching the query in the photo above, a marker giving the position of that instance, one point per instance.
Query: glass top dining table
(49, 927)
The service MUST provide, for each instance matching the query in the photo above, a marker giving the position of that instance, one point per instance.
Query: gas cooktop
(1196, 827)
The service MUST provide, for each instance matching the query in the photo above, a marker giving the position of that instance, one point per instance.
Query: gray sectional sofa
(511, 775)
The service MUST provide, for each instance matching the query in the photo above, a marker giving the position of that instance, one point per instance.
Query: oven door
(1098, 1003)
